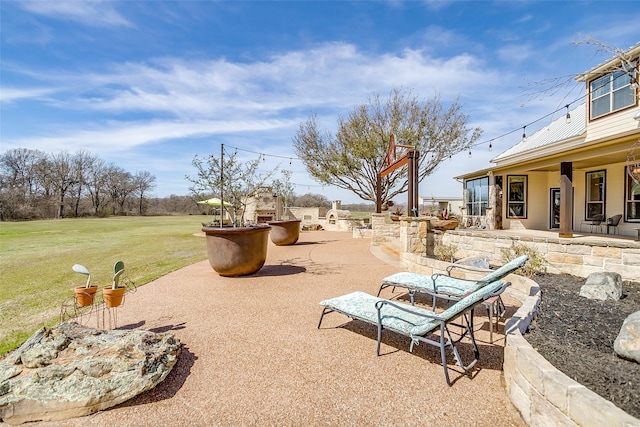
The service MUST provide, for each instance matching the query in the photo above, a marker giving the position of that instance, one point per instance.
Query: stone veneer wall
(563, 255)
(543, 395)
(383, 231)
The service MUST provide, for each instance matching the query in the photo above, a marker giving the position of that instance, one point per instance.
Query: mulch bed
(576, 335)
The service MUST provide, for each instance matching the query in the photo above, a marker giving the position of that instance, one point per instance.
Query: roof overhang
(583, 156)
(607, 66)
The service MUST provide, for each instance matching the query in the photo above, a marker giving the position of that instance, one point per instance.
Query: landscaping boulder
(602, 286)
(627, 344)
(71, 370)
(475, 261)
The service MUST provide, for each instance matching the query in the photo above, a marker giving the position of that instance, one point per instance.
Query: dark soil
(576, 335)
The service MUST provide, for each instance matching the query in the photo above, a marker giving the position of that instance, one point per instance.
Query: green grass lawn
(36, 259)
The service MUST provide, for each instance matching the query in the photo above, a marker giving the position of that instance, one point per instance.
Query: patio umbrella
(213, 202)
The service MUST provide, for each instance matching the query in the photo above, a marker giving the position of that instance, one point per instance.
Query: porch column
(566, 199)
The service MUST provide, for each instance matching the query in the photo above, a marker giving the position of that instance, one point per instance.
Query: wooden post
(415, 177)
(566, 199)
(378, 193)
(410, 190)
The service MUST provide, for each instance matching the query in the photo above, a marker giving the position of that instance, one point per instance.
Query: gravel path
(253, 355)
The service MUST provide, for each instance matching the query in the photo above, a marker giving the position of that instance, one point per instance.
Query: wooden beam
(396, 165)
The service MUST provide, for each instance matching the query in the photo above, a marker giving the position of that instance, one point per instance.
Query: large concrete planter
(285, 232)
(237, 251)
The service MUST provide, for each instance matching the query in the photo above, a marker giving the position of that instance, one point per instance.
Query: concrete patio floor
(253, 355)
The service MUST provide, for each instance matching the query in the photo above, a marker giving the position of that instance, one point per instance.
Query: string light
(633, 81)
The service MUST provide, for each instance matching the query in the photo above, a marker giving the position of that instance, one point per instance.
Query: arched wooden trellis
(392, 163)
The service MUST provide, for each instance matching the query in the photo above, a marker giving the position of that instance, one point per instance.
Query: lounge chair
(414, 322)
(445, 286)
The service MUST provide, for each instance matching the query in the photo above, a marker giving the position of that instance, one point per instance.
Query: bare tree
(143, 182)
(82, 164)
(96, 184)
(119, 186)
(20, 184)
(240, 180)
(62, 177)
(353, 158)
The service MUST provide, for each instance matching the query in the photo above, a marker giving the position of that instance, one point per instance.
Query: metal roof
(556, 131)
(605, 67)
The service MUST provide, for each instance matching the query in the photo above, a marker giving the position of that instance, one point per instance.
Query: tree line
(37, 185)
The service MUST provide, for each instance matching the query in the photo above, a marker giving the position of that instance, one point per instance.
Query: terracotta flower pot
(237, 251)
(84, 295)
(113, 297)
(285, 232)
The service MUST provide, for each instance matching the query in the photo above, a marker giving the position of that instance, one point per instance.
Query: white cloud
(333, 75)
(115, 137)
(9, 94)
(90, 13)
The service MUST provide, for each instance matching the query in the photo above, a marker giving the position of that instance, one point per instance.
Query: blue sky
(149, 84)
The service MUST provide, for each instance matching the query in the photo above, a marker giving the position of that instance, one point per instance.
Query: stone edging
(544, 395)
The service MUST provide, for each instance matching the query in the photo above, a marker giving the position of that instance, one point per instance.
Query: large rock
(475, 261)
(627, 344)
(70, 371)
(602, 286)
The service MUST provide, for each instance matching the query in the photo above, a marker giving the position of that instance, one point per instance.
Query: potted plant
(236, 250)
(84, 294)
(114, 294)
(445, 221)
(283, 231)
(396, 214)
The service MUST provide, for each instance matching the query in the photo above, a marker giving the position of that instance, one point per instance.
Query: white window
(612, 92)
(595, 193)
(477, 196)
(517, 196)
(632, 196)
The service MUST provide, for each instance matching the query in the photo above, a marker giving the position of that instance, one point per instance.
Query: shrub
(445, 252)
(535, 264)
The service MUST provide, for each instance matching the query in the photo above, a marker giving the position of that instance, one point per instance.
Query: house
(263, 206)
(311, 217)
(434, 205)
(580, 168)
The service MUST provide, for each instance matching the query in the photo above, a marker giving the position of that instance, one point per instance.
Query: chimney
(336, 205)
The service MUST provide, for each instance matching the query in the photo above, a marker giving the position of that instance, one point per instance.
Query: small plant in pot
(238, 250)
(84, 294)
(396, 214)
(114, 294)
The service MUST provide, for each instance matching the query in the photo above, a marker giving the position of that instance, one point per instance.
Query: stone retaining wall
(544, 395)
(383, 230)
(579, 258)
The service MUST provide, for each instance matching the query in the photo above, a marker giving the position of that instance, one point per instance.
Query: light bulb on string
(524, 133)
(568, 116)
(490, 146)
(469, 152)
